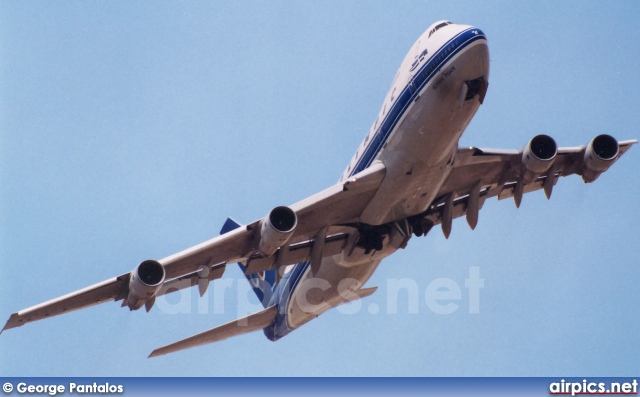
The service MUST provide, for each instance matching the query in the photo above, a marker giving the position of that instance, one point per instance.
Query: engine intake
(538, 156)
(599, 155)
(144, 283)
(276, 229)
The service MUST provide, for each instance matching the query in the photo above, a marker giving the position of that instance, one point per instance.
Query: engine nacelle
(144, 283)
(276, 229)
(599, 155)
(538, 156)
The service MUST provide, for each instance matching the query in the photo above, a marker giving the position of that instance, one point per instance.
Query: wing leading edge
(480, 174)
(202, 263)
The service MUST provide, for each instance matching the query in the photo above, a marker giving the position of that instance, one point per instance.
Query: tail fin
(263, 283)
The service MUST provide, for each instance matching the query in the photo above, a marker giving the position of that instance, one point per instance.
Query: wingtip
(154, 354)
(11, 323)
(161, 351)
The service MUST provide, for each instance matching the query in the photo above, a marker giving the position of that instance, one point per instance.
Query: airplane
(407, 176)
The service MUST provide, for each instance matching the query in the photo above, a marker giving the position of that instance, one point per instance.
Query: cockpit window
(438, 26)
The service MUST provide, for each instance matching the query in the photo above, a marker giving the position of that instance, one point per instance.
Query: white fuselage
(415, 135)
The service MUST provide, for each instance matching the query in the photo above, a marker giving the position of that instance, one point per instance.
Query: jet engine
(599, 155)
(276, 229)
(538, 156)
(144, 283)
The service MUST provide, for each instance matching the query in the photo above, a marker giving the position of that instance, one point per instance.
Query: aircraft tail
(263, 283)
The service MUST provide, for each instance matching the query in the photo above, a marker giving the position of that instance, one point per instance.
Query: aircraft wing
(198, 265)
(479, 174)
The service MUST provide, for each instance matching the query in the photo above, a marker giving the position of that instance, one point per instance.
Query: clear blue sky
(131, 130)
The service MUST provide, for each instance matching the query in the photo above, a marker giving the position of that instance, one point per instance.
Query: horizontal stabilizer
(250, 323)
(364, 292)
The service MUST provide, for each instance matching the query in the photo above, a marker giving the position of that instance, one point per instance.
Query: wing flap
(191, 280)
(296, 253)
(250, 323)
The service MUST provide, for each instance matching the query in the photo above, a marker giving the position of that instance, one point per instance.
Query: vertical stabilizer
(263, 283)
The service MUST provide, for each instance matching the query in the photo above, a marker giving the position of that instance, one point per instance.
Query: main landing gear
(372, 237)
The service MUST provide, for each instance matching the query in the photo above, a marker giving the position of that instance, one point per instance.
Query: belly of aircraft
(420, 152)
(333, 285)
(418, 157)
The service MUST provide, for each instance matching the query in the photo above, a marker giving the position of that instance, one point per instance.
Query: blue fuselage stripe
(286, 288)
(411, 92)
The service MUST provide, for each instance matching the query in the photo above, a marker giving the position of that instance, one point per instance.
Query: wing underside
(200, 264)
(480, 174)
(326, 222)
